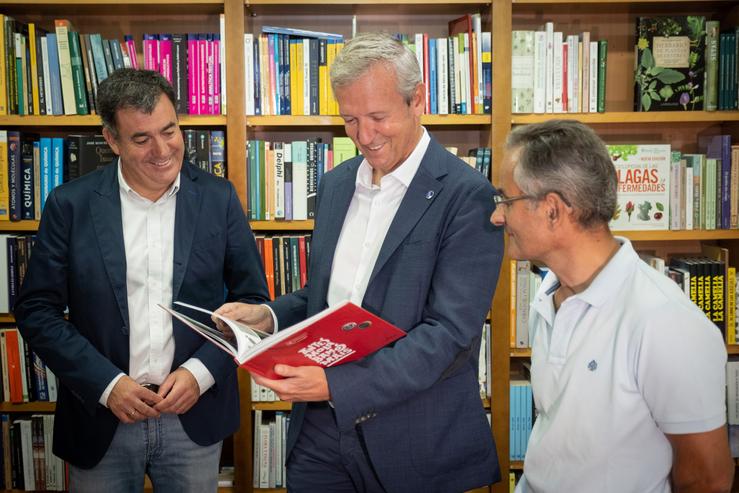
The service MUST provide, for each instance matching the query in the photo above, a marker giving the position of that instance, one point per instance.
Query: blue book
(300, 33)
(57, 161)
(218, 152)
(98, 57)
(45, 172)
(57, 106)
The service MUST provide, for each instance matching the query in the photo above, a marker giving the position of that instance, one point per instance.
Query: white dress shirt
(148, 237)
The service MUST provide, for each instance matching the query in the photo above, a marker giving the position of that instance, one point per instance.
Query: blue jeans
(161, 449)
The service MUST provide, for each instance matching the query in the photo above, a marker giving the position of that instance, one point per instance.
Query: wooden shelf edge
(7, 318)
(367, 2)
(630, 117)
(516, 465)
(520, 352)
(94, 120)
(682, 235)
(271, 406)
(27, 407)
(19, 225)
(337, 121)
(732, 348)
(281, 225)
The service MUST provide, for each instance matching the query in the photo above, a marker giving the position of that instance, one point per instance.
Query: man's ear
(418, 102)
(111, 140)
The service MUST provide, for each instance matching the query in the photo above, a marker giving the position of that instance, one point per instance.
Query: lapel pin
(593, 365)
(429, 195)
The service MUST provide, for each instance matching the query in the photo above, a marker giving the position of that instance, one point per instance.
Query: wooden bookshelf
(27, 407)
(630, 117)
(282, 225)
(13, 226)
(94, 121)
(7, 318)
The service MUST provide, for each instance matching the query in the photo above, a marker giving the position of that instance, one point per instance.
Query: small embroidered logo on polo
(593, 365)
(429, 195)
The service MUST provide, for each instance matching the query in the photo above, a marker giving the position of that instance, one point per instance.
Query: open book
(336, 335)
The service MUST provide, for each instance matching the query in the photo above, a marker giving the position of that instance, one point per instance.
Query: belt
(150, 386)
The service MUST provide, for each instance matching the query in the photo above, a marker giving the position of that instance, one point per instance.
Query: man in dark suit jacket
(138, 392)
(402, 230)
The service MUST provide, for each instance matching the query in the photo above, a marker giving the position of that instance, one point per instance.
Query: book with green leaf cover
(669, 63)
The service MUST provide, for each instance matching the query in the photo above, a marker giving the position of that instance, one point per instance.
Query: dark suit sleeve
(39, 311)
(451, 312)
(243, 276)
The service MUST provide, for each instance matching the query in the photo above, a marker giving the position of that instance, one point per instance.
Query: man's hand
(255, 316)
(180, 391)
(301, 383)
(130, 402)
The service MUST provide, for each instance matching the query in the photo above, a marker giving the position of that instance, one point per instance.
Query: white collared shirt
(148, 237)
(370, 213)
(617, 367)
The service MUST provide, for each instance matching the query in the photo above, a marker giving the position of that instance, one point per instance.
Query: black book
(279, 275)
(27, 182)
(203, 150)
(179, 71)
(86, 153)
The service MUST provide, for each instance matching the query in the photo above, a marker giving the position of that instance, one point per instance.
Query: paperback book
(643, 186)
(339, 334)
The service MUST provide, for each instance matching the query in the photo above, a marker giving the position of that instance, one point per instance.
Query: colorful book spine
(4, 192)
(192, 74)
(131, 50)
(151, 52)
(165, 56)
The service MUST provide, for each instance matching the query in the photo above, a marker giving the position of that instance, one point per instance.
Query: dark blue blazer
(79, 262)
(418, 402)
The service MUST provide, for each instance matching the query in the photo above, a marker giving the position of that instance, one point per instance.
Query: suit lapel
(423, 190)
(105, 209)
(189, 198)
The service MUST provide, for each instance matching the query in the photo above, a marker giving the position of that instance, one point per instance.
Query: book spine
(602, 63)
(65, 67)
(78, 78)
(192, 74)
(131, 49)
(711, 73)
(27, 184)
(14, 175)
(4, 181)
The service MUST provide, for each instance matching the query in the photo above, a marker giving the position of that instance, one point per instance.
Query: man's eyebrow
(146, 134)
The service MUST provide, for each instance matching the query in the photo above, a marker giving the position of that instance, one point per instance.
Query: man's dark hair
(130, 88)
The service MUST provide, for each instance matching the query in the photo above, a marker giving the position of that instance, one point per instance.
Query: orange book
(269, 267)
(15, 382)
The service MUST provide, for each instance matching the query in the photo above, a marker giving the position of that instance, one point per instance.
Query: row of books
(721, 74)
(57, 72)
(525, 280)
(660, 188)
(25, 378)
(457, 69)
(15, 252)
(206, 149)
(285, 259)
(479, 158)
(556, 73)
(521, 418)
(28, 462)
(270, 446)
(283, 177)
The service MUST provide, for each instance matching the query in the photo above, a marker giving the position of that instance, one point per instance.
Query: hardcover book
(669, 63)
(643, 186)
(339, 334)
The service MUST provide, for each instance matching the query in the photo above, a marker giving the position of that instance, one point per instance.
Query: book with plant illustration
(669, 63)
(643, 186)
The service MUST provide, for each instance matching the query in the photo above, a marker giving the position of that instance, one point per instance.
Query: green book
(602, 56)
(711, 75)
(78, 76)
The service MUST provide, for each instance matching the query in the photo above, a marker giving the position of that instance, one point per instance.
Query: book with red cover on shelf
(339, 334)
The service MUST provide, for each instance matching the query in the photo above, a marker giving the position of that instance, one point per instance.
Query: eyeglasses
(501, 199)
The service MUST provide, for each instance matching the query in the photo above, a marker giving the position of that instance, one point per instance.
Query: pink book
(131, 48)
(202, 74)
(209, 75)
(151, 52)
(192, 74)
(165, 56)
(217, 74)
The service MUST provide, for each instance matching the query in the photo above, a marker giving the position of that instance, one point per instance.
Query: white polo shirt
(617, 367)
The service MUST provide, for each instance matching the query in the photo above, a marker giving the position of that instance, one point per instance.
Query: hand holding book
(336, 335)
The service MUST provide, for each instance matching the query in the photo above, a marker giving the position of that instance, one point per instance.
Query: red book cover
(14, 366)
(339, 334)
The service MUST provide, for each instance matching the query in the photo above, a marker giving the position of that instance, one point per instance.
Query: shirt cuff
(200, 372)
(274, 319)
(106, 393)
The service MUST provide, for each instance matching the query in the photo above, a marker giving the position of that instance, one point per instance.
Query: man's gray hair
(131, 88)
(568, 158)
(367, 49)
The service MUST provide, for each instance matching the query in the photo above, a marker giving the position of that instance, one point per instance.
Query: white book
(442, 71)
(29, 478)
(557, 74)
(549, 87)
(593, 100)
(585, 74)
(540, 71)
(272, 453)
(47, 75)
(279, 179)
(466, 75)
(458, 91)
(51, 385)
(264, 454)
(676, 186)
(477, 33)
(254, 387)
(522, 71)
(419, 48)
(4, 274)
(572, 73)
(249, 73)
(256, 473)
(65, 70)
(48, 421)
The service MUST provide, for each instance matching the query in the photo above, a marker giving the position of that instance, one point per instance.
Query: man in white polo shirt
(627, 374)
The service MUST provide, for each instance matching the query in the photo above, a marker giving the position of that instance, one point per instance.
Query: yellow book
(294, 79)
(34, 68)
(335, 103)
(4, 192)
(298, 100)
(3, 75)
(330, 100)
(731, 294)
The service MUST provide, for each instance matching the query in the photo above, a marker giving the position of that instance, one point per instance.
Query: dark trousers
(329, 461)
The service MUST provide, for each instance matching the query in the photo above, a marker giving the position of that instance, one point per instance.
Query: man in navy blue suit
(139, 393)
(403, 231)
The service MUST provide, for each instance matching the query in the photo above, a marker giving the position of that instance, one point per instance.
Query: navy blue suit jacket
(79, 262)
(417, 402)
